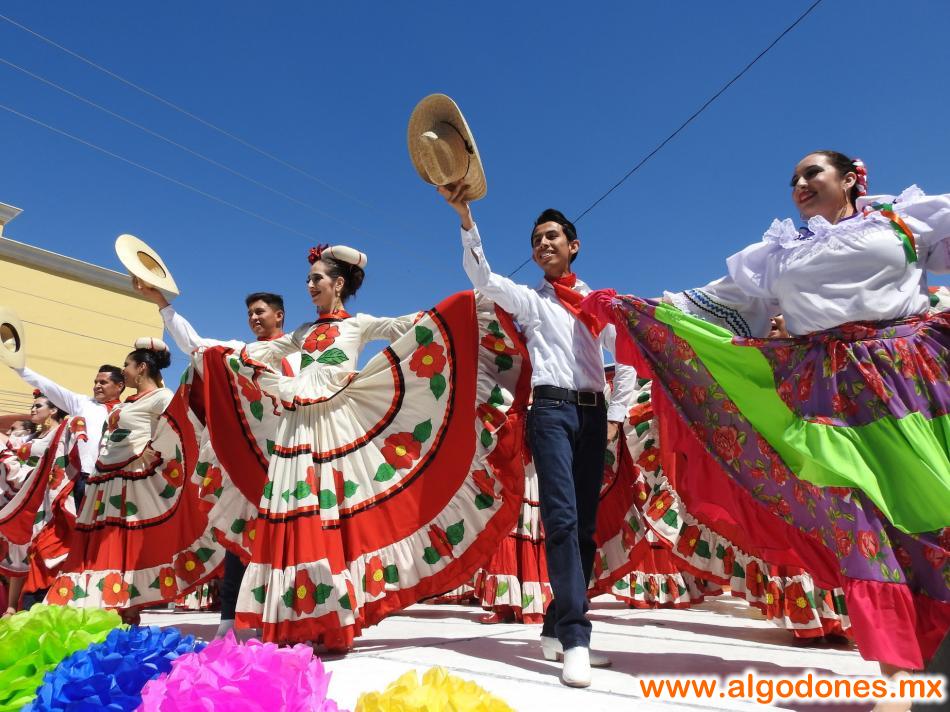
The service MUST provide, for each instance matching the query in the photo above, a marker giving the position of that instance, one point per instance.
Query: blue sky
(563, 100)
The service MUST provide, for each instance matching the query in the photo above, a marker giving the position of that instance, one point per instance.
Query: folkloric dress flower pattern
(829, 449)
(38, 513)
(376, 487)
(143, 535)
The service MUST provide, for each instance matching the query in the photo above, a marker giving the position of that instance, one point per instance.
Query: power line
(69, 304)
(185, 148)
(177, 182)
(76, 333)
(194, 117)
(688, 121)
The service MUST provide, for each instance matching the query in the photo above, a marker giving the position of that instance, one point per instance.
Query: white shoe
(576, 670)
(552, 649)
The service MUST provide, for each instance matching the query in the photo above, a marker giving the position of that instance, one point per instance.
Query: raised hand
(149, 292)
(454, 194)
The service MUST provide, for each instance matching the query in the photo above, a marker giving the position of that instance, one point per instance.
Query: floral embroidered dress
(38, 514)
(379, 486)
(142, 536)
(830, 449)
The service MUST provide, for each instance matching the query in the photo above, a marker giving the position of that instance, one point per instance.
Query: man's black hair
(115, 373)
(552, 215)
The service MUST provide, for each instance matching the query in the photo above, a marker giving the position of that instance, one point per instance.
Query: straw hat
(145, 263)
(442, 148)
(12, 339)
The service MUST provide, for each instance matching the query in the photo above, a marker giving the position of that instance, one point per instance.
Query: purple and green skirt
(831, 451)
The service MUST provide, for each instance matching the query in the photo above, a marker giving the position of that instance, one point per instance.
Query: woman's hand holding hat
(149, 292)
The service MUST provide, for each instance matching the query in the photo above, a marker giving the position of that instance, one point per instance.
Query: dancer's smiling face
(324, 289)
(264, 320)
(818, 188)
(551, 250)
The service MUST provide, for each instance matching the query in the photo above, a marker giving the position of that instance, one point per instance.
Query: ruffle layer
(344, 539)
(145, 539)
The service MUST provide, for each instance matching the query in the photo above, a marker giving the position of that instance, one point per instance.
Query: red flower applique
(401, 450)
(304, 599)
(115, 591)
(375, 577)
(61, 591)
(189, 567)
(428, 360)
(321, 338)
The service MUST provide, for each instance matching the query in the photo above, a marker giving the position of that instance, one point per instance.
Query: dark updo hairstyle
(154, 359)
(352, 275)
(58, 413)
(843, 165)
(552, 215)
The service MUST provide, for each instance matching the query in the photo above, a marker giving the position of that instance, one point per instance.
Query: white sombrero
(12, 339)
(442, 147)
(145, 263)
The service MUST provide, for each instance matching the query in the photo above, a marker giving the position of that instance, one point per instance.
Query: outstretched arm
(514, 298)
(68, 400)
(723, 303)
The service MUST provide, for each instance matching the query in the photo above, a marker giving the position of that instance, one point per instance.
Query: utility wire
(688, 121)
(76, 333)
(68, 304)
(185, 148)
(177, 182)
(194, 117)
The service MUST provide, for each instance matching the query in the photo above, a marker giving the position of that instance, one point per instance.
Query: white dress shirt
(187, 339)
(562, 350)
(76, 404)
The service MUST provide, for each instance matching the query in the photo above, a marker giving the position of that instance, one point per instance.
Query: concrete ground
(721, 637)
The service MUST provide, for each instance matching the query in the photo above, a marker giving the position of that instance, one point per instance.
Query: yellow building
(76, 316)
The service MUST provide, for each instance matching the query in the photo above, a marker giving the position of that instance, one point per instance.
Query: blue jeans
(567, 443)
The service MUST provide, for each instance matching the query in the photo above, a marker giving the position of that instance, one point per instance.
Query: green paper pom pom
(35, 641)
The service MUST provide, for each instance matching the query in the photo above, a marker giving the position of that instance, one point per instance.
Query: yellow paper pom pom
(437, 692)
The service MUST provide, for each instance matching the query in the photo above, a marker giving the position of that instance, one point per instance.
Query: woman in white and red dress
(37, 513)
(142, 536)
(374, 491)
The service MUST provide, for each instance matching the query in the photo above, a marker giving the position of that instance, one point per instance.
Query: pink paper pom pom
(228, 675)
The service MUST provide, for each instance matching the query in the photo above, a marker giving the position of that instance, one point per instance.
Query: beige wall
(76, 317)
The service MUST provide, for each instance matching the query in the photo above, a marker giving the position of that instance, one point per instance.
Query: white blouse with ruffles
(828, 275)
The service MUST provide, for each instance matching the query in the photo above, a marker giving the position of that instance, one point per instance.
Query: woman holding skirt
(831, 448)
(380, 485)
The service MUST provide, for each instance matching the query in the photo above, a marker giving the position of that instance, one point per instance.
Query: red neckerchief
(285, 366)
(335, 315)
(111, 404)
(134, 397)
(570, 299)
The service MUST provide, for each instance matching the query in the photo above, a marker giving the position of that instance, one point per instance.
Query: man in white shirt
(265, 317)
(568, 423)
(106, 389)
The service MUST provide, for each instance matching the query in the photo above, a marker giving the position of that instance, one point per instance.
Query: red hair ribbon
(37, 393)
(316, 253)
(862, 172)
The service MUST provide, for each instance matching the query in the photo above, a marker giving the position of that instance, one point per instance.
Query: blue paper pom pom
(110, 675)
